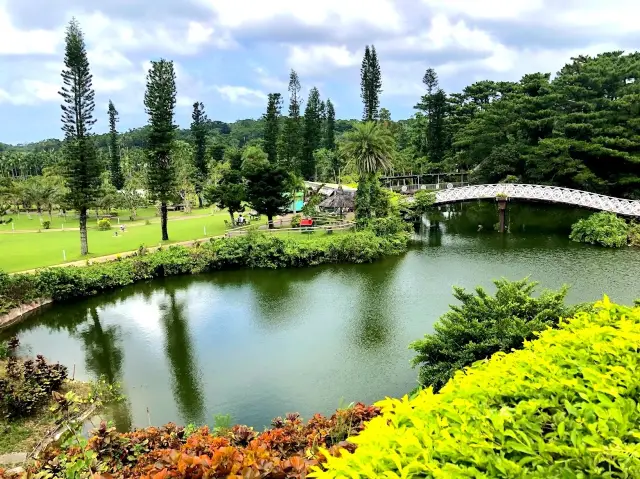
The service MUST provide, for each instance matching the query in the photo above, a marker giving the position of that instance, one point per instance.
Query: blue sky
(230, 54)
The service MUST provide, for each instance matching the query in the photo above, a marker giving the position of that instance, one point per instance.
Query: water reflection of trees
(104, 358)
(186, 386)
(523, 217)
(374, 324)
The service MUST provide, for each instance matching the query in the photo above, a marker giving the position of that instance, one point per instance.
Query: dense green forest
(579, 129)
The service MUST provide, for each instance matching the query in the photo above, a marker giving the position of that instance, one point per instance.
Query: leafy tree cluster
(483, 325)
(604, 229)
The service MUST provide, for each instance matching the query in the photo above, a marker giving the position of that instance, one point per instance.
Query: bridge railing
(555, 194)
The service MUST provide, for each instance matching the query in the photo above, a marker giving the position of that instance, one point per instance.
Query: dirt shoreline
(21, 312)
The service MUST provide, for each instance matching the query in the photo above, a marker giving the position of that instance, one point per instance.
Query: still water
(259, 344)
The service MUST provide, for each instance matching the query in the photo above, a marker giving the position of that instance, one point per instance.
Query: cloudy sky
(230, 53)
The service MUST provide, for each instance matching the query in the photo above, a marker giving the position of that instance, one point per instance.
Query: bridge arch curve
(552, 194)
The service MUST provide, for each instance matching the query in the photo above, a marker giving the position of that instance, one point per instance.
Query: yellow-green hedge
(567, 406)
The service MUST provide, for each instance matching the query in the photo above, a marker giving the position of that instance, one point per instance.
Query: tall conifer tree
(330, 132)
(199, 135)
(370, 84)
(82, 168)
(117, 178)
(312, 133)
(293, 126)
(160, 102)
(272, 127)
(434, 105)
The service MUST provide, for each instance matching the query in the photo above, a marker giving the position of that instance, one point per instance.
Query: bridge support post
(502, 209)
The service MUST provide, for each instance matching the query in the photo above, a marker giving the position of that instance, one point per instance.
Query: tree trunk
(232, 218)
(270, 220)
(163, 221)
(200, 205)
(84, 246)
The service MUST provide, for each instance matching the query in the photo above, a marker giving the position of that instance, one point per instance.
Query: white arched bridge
(552, 194)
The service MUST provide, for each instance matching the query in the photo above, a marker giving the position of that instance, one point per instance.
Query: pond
(259, 344)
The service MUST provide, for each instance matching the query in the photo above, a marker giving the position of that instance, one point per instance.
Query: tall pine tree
(117, 178)
(272, 127)
(199, 135)
(370, 84)
(312, 133)
(82, 168)
(293, 126)
(434, 106)
(160, 102)
(330, 127)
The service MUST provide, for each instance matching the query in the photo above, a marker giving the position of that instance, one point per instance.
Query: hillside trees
(160, 101)
(81, 167)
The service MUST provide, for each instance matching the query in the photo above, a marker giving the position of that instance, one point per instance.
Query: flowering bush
(27, 385)
(288, 450)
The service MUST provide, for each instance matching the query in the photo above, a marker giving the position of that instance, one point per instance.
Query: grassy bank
(254, 250)
(36, 250)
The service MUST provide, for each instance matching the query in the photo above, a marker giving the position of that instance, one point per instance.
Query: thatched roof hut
(339, 200)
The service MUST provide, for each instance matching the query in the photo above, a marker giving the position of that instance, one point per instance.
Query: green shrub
(253, 250)
(634, 234)
(601, 228)
(564, 407)
(26, 386)
(4, 350)
(295, 221)
(46, 225)
(484, 325)
(104, 224)
(388, 226)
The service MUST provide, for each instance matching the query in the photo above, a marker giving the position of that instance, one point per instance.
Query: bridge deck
(554, 194)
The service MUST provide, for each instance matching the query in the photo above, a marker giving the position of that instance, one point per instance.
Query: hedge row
(566, 406)
(250, 251)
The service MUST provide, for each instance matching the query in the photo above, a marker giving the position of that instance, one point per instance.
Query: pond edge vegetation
(382, 237)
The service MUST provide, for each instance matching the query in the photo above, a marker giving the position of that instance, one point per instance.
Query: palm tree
(370, 146)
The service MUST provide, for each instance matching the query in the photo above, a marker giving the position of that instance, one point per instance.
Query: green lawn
(23, 251)
(31, 221)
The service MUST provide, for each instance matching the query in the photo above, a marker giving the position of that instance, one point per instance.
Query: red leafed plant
(286, 451)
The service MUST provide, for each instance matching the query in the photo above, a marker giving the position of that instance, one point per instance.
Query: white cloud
(234, 14)
(321, 58)
(242, 95)
(493, 9)
(26, 42)
(270, 82)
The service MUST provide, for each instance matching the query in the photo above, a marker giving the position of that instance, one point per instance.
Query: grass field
(25, 221)
(24, 251)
